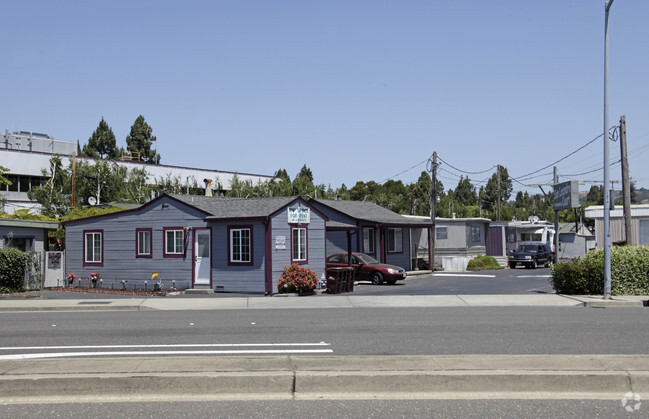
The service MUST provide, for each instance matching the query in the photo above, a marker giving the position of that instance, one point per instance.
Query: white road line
(180, 345)
(466, 275)
(156, 353)
(532, 276)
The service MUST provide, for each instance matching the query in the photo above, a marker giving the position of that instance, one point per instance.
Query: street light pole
(607, 196)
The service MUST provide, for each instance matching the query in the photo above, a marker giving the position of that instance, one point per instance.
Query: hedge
(629, 272)
(18, 270)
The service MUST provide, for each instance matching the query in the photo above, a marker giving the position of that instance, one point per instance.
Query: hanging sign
(299, 215)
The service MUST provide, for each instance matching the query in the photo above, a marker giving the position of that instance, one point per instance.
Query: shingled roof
(218, 207)
(369, 211)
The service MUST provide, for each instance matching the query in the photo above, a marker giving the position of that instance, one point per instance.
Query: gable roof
(371, 212)
(228, 208)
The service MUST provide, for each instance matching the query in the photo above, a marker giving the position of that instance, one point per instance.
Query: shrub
(297, 279)
(483, 262)
(575, 277)
(13, 263)
(629, 272)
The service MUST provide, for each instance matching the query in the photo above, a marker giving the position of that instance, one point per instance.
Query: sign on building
(299, 215)
(566, 195)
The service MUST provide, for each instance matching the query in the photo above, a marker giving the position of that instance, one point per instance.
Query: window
(240, 245)
(368, 240)
(174, 241)
(143, 242)
(298, 244)
(335, 259)
(26, 244)
(394, 240)
(531, 237)
(93, 249)
(475, 234)
(441, 233)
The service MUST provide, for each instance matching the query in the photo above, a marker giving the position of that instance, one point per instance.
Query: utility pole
(74, 181)
(556, 221)
(626, 183)
(498, 207)
(607, 196)
(433, 202)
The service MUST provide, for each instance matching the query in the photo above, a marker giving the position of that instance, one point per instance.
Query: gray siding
(402, 258)
(119, 261)
(37, 235)
(315, 244)
(238, 278)
(337, 242)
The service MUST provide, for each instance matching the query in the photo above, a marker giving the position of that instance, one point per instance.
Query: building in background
(27, 154)
(639, 224)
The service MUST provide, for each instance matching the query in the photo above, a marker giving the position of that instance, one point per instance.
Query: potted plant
(94, 277)
(70, 278)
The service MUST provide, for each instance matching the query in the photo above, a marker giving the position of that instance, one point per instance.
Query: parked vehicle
(367, 268)
(531, 256)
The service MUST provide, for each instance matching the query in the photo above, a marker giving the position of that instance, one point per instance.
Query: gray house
(575, 240)
(457, 241)
(227, 244)
(639, 224)
(25, 235)
(504, 237)
(360, 226)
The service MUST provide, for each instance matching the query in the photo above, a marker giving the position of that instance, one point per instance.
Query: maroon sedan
(367, 268)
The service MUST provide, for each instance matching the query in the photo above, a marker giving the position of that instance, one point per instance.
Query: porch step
(199, 291)
(502, 260)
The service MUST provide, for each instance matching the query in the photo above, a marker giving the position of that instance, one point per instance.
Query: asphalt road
(333, 409)
(371, 331)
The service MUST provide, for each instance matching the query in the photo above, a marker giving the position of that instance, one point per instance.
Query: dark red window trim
(164, 242)
(305, 261)
(101, 262)
(252, 246)
(137, 243)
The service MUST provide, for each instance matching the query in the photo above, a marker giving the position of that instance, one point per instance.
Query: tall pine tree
(140, 140)
(102, 143)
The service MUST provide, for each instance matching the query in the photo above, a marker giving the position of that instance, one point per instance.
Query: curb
(317, 377)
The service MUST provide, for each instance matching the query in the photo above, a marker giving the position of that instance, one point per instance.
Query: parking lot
(505, 281)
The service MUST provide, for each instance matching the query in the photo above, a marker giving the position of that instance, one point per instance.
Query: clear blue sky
(356, 90)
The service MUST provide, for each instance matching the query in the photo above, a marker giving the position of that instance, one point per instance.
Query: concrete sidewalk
(225, 302)
(329, 377)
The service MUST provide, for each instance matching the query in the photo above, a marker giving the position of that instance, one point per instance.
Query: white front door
(202, 266)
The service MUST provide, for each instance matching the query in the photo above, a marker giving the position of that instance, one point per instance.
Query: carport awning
(337, 225)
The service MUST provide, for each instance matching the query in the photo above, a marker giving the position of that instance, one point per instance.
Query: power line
(464, 171)
(407, 170)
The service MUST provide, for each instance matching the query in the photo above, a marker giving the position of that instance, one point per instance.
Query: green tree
(464, 192)
(303, 183)
(54, 195)
(490, 194)
(101, 143)
(141, 140)
(421, 195)
(595, 195)
(101, 179)
(3, 182)
(280, 184)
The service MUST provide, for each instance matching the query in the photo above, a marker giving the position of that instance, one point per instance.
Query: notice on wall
(299, 215)
(280, 242)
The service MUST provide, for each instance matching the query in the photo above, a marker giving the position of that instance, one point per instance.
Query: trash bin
(340, 280)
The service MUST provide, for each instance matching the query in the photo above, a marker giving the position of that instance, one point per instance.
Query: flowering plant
(297, 279)
(70, 277)
(94, 276)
